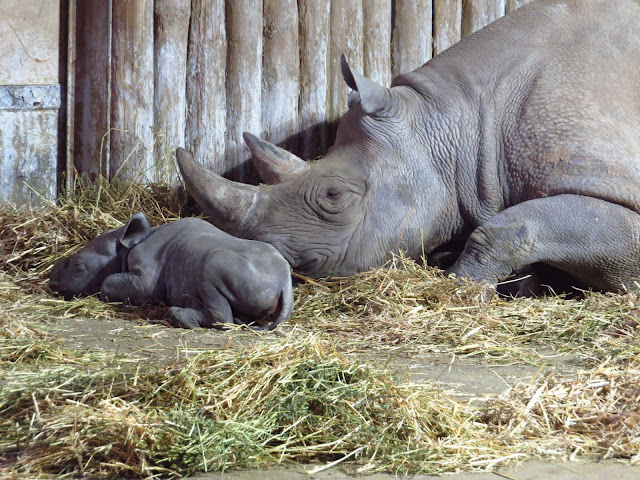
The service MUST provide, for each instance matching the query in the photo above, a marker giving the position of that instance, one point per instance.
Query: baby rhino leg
(214, 313)
(126, 287)
(187, 317)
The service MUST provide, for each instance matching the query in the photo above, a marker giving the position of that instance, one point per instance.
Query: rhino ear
(374, 99)
(274, 164)
(136, 230)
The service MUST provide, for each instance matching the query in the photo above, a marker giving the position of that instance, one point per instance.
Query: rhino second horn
(225, 202)
(274, 164)
(374, 99)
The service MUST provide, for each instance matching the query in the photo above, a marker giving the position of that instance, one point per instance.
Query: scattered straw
(595, 411)
(410, 309)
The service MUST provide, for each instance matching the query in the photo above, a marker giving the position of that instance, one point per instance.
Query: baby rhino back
(227, 279)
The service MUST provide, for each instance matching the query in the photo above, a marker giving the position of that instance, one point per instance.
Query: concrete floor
(534, 470)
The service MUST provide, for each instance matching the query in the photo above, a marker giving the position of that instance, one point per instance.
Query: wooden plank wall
(30, 100)
(155, 75)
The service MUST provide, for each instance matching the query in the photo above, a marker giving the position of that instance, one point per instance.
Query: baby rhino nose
(266, 318)
(54, 284)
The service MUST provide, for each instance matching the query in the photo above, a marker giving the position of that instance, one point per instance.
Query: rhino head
(350, 210)
(83, 273)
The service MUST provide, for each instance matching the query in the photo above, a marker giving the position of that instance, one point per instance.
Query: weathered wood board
(314, 16)
(447, 24)
(131, 135)
(480, 13)
(243, 82)
(29, 46)
(280, 70)
(412, 43)
(206, 98)
(377, 41)
(345, 38)
(170, 77)
(29, 143)
(92, 99)
(30, 99)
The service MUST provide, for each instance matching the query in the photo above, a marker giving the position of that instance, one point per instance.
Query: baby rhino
(207, 276)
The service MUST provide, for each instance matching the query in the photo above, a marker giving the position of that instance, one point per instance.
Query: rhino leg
(126, 287)
(595, 241)
(186, 317)
(215, 312)
(193, 318)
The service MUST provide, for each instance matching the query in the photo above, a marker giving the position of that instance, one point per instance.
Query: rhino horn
(374, 99)
(274, 164)
(224, 201)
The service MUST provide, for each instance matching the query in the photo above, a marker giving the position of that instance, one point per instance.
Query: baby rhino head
(84, 272)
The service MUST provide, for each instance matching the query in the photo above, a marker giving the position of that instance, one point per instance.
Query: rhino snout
(57, 286)
(264, 320)
(55, 280)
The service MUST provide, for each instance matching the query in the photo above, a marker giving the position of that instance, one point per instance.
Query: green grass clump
(220, 409)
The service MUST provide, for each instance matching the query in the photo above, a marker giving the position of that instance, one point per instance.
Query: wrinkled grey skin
(518, 146)
(207, 276)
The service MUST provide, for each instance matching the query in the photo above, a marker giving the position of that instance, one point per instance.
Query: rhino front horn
(274, 164)
(374, 99)
(225, 202)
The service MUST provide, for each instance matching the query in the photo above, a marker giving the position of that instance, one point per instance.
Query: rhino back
(577, 129)
(551, 94)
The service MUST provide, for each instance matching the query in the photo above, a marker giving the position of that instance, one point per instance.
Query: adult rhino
(518, 146)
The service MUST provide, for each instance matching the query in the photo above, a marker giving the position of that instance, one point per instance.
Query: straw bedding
(316, 389)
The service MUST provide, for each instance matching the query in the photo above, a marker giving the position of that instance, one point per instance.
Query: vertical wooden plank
(69, 172)
(447, 24)
(479, 13)
(206, 95)
(346, 38)
(314, 46)
(412, 44)
(91, 109)
(171, 32)
(243, 82)
(377, 40)
(132, 90)
(280, 70)
(515, 4)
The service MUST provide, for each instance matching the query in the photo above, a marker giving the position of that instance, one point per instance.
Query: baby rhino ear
(136, 230)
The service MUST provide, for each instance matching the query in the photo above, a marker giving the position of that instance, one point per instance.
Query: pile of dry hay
(299, 395)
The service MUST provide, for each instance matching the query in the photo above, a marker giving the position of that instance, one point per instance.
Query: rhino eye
(78, 269)
(333, 194)
(332, 200)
